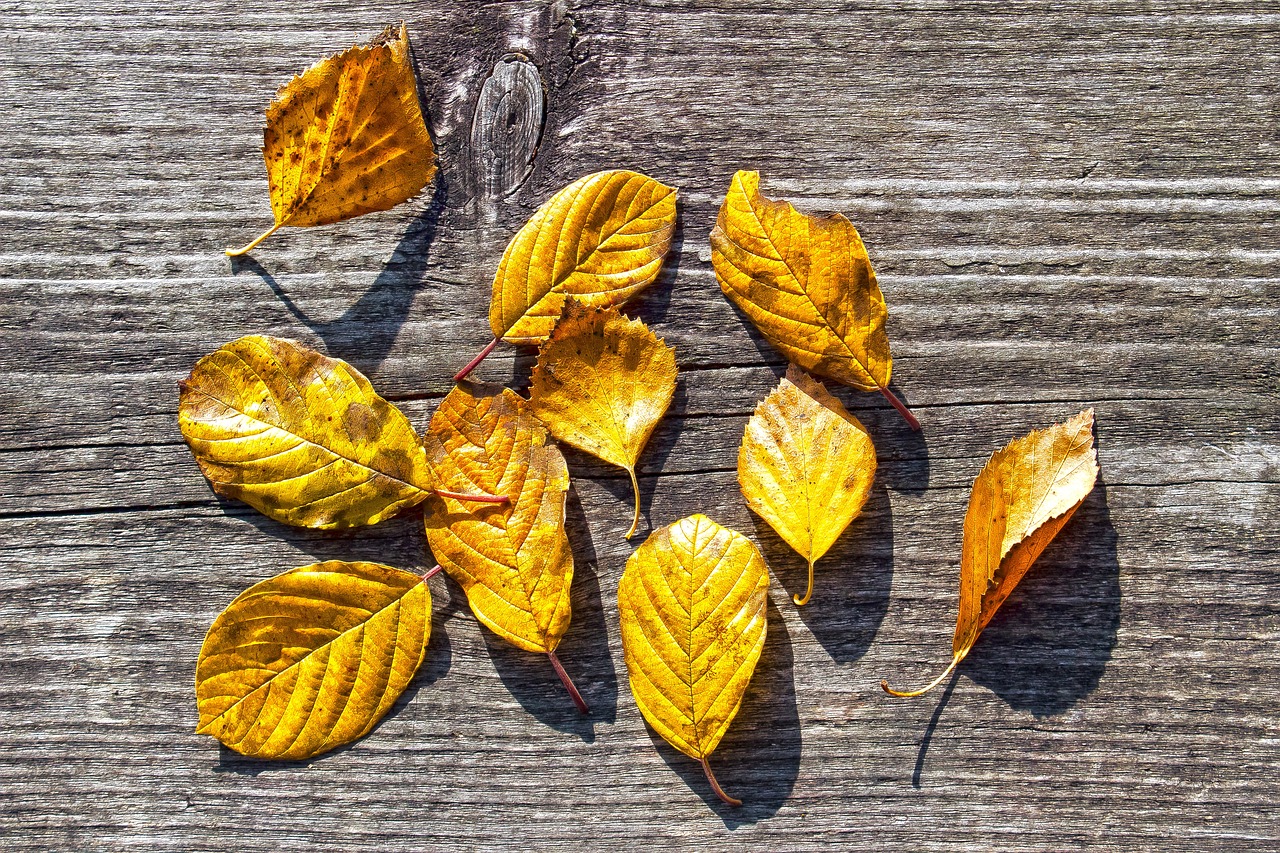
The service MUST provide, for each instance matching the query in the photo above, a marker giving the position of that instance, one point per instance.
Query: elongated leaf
(807, 284)
(601, 384)
(312, 658)
(805, 466)
(692, 608)
(513, 560)
(300, 437)
(346, 137)
(599, 240)
(1027, 492)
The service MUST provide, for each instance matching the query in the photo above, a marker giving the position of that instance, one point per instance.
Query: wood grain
(1066, 205)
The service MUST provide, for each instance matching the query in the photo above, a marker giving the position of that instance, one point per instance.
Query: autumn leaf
(301, 437)
(600, 240)
(513, 561)
(311, 659)
(1027, 492)
(692, 608)
(807, 284)
(601, 384)
(805, 466)
(346, 137)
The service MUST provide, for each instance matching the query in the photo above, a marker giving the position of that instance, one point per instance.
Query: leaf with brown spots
(601, 384)
(301, 437)
(311, 659)
(346, 137)
(692, 606)
(1027, 492)
(513, 561)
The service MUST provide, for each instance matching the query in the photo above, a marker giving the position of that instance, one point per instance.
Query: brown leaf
(346, 137)
(1027, 492)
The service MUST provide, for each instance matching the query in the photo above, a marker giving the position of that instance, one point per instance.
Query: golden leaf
(311, 659)
(601, 384)
(692, 608)
(807, 284)
(600, 240)
(1027, 492)
(346, 137)
(300, 437)
(805, 466)
(513, 561)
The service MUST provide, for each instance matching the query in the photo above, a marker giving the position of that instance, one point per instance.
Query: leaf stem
(884, 684)
(635, 490)
(901, 407)
(480, 499)
(471, 365)
(235, 253)
(432, 572)
(715, 786)
(808, 591)
(578, 701)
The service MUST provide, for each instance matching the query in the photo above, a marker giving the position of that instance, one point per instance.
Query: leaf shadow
(851, 582)
(650, 305)
(584, 651)
(365, 333)
(759, 759)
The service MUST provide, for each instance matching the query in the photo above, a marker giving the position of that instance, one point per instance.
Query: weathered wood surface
(1069, 205)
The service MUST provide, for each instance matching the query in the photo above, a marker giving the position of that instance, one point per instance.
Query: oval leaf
(601, 384)
(807, 284)
(513, 560)
(601, 239)
(692, 608)
(346, 137)
(805, 466)
(311, 659)
(300, 437)
(1025, 494)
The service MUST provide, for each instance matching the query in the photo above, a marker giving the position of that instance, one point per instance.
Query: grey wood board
(1067, 206)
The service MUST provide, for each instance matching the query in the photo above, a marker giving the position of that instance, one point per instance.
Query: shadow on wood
(584, 651)
(365, 333)
(759, 759)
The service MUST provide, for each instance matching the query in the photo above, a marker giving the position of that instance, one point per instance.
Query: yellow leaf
(300, 437)
(692, 608)
(311, 659)
(1027, 492)
(346, 137)
(805, 466)
(601, 384)
(600, 240)
(807, 284)
(513, 561)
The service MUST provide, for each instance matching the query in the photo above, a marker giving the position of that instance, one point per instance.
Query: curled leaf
(805, 466)
(600, 240)
(311, 659)
(300, 437)
(513, 561)
(1027, 492)
(601, 384)
(692, 605)
(346, 137)
(807, 284)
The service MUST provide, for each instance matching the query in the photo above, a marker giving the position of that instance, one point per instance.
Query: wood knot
(507, 127)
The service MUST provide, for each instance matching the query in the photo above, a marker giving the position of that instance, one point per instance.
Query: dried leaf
(805, 466)
(513, 561)
(311, 659)
(1027, 492)
(601, 384)
(301, 437)
(807, 284)
(692, 607)
(601, 240)
(346, 137)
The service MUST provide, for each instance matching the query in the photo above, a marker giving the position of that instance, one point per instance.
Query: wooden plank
(1067, 207)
